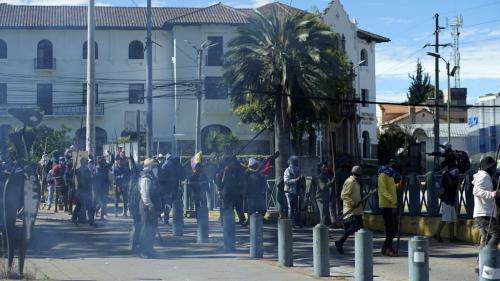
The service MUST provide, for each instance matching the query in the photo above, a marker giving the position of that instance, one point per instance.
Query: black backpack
(134, 197)
(463, 161)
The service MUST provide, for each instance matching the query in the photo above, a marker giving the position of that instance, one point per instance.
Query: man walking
(352, 207)
(292, 180)
(102, 183)
(122, 173)
(233, 189)
(388, 203)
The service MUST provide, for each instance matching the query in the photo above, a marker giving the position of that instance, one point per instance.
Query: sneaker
(339, 247)
(391, 253)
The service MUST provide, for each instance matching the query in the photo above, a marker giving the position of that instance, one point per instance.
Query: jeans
(62, 193)
(235, 201)
(84, 202)
(293, 207)
(391, 225)
(50, 191)
(351, 225)
(121, 191)
(324, 213)
(484, 225)
(149, 222)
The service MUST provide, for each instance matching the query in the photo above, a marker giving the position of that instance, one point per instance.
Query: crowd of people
(147, 189)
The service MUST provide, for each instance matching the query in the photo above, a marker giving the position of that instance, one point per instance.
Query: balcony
(4, 108)
(75, 109)
(44, 63)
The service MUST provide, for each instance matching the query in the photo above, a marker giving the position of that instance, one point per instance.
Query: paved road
(63, 251)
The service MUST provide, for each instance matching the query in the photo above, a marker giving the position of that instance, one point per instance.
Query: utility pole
(199, 51)
(448, 100)
(436, 94)
(149, 81)
(198, 102)
(90, 126)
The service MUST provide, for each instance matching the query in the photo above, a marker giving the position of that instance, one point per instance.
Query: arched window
(336, 42)
(3, 49)
(366, 144)
(84, 56)
(363, 57)
(44, 55)
(136, 50)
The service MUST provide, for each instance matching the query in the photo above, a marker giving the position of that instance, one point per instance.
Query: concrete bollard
(229, 230)
(363, 245)
(186, 196)
(202, 219)
(285, 242)
(418, 259)
(489, 264)
(256, 236)
(177, 218)
(321, 251)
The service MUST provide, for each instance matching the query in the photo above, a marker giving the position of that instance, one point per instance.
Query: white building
(43, 64)
(360, 48)
(484, 128)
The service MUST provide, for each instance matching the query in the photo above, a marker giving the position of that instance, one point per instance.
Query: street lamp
(199, 51)
(358, 90)
(449, 74)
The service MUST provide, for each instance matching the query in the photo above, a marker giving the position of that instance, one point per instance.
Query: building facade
(43, 65)
(483, 123)
(359, 46)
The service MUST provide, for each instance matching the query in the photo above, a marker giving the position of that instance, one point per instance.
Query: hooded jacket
(484, 201)
(291, 178)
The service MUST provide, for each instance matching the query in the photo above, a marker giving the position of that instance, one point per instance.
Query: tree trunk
(282, 135)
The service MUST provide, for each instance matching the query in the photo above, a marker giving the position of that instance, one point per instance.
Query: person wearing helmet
(351, 197)
(292, 180)
(485, 209)
(388, 203)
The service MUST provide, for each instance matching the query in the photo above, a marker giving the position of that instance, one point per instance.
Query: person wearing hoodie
(149, 208)
(256, 188)
(352, 207)
(293, 180)
(485, 209)
(388, 203)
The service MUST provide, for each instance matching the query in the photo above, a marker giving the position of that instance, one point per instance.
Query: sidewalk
(63, 251)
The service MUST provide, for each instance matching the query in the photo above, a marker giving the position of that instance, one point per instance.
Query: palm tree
(284, 58)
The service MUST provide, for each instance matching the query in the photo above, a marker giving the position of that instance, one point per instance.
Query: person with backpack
(448, 196)
(256, 189)
(83, 192)
(388, 203)
(149, 208)
(198, 184)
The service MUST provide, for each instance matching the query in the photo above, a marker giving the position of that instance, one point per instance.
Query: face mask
(155, 172)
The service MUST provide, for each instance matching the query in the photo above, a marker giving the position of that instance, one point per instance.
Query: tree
(280, 63)
(390, 141)
(420, 88)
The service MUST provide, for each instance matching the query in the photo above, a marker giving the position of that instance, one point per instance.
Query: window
(364, 97)
(366, 144)
(136, 93)
(343, 43)
(44, 98)
(337, 42)
(136, 50)
(363, 57)
(214, 88)
(3, 93)
(84, 93)
(3, 49)
(84, 55)
(215, 53)
(44, 55)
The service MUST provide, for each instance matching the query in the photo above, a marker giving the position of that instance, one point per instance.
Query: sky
(409, 25)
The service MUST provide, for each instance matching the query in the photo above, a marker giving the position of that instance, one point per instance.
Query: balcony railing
(72, 109)
(58, 109)
(44, 63)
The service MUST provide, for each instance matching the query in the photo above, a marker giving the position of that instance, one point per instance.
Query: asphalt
(61, 250)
